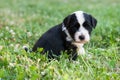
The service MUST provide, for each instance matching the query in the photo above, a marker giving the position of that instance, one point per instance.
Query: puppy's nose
(82, 37)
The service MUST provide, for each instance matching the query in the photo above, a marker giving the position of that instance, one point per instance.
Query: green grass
(22, 22)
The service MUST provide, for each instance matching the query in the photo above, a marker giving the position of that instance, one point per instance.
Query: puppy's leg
(72, 52)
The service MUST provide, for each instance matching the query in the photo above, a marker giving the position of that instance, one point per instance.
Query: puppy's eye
(76, 26)
(85, 24)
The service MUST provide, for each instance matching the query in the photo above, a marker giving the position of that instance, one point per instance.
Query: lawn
(22, 22)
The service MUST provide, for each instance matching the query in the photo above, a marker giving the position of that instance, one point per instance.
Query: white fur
(80, 17)
(68, 38)
(82, 30)
(80, 49)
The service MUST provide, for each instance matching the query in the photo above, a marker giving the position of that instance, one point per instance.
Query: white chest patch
(80, 49)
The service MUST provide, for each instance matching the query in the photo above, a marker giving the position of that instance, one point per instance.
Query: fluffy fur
(70, 36)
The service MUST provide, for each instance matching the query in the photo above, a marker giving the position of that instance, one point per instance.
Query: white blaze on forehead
(81, 31)
(80, 17)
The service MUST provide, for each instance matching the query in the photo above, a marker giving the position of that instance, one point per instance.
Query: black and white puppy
(68, 36)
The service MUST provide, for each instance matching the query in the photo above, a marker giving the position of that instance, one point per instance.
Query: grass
(22, 22)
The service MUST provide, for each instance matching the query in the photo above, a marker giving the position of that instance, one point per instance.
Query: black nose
(81, 37)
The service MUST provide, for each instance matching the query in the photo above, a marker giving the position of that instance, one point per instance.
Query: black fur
(90, 22)
(54, 40)
(71, 24)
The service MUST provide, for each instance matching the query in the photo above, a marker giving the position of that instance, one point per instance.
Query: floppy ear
(66, 21)
(93, 21)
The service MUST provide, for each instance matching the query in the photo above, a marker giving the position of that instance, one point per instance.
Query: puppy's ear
(93, 21)
(66, 21)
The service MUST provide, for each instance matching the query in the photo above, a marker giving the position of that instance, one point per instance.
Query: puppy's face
(79, 26)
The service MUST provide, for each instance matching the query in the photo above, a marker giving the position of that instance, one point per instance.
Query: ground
(22, 22)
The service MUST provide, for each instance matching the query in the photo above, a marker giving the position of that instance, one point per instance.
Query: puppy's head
(79, 26)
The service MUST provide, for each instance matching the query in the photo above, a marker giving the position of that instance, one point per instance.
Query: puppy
(69, 36)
